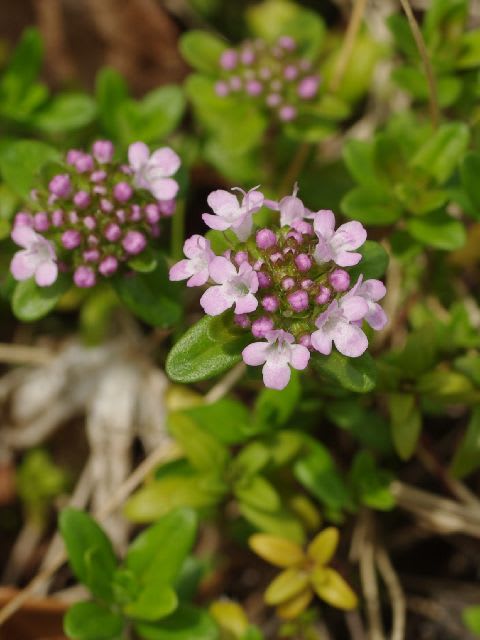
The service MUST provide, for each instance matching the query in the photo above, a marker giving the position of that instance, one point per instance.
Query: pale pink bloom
(233, 288)
(277, 355)
(36, 259)
(337, 245)
(371, 291)
(337, 325)
(230, 213)
(153, 172)
(195, 267)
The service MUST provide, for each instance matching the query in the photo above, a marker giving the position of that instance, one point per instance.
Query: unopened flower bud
(262, 326)
(108, 266)
(288, 283)
(303, 262)
(81, 199)
(41, 221)
(298, 300)
(60, 185)
(134, 242)
(112, 232)
(103, 151)
(122, 192)
(270, 303)
(339, 279)
(264, 280)
(71, 239)
(265, 239)
(242, 320)
(323, 295)
(229, 59)
(84, 277)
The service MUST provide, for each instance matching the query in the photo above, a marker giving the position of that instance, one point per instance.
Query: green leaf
(371, 483)
(442, 152)
(160, 497)
(373, 264)
(159, 552)
(145, 263)
(438, 230)
(317, 472)
(204, 452)
(202, 50)
(22, 70)
(31, 302)
(467, 455)
(359, 157)
(83, 536)
(274, 408)
(111, 92)
(227, 420)
(151, 296)
(207, 349)
(155, 601)
(237, 125)
(368, 427)
(257, 492)
(186, 623)
(65, 113)
(153, 117)
(470, 172)
(471, 618)
(419, 353)
(371, 205)
(353, 374)
(21, 161)
(279, 522)
(406, 423)
(91, 621)
(271, 19)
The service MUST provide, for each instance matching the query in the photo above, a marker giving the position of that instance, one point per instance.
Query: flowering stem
(422, 50)
(294, 169)
(178, 230)
(347, 47)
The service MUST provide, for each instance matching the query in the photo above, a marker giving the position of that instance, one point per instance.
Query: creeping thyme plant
(286, 283)
(240, 351)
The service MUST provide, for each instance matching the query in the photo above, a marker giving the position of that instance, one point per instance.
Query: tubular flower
(288, 283)
(95, 215)
(274, 76)
(305, 573)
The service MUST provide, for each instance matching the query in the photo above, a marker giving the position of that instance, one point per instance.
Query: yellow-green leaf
(286, 585)
(278, 551)
(332, 588)
(323, 546)
(295, 606)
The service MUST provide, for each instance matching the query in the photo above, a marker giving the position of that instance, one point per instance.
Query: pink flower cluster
(288, 284)
(275, 76)
(95, 215)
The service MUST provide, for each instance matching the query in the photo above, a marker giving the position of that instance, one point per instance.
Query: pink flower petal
(349, 236)
(246, 304)
(255, 354)
(138, 155)
(164, 188)
(214, 302)
(276, 376)
(195, 245)
(221, 269)
(323, 251)
(354, 307)
(291, 208)
(215, 222)
(222, 202)
(299, 357)
(373, 289)
(324, 223)
(24, 236)
(322, 342)
(347, 258)
(376, 316)
(198, 279)
(350, 340)
(253, 200)
(244, 229)
(23, 265)
(181, 270)
(46, 274)
(166, 160)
